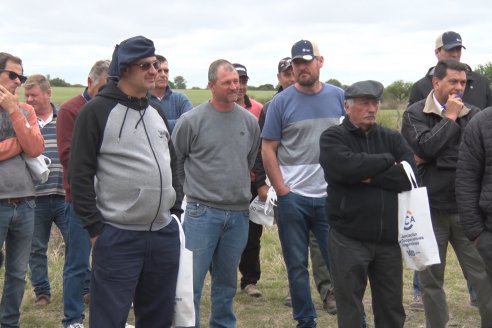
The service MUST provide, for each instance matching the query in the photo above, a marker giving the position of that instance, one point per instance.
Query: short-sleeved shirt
(296, 120)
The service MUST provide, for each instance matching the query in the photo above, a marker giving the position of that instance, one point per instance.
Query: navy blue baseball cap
(305, 49)
(449, 40)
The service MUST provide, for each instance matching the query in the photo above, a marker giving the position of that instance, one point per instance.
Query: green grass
(265, 312)
(269, 310)
(62, 94)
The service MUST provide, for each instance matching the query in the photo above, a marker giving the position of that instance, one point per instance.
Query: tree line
(397, 92)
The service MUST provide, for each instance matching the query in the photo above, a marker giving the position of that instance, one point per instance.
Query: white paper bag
(262, 212)
(38, 166)
(184, 308)
(415, 233)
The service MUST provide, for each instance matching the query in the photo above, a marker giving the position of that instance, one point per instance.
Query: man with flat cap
(361, 161)
(123, 138)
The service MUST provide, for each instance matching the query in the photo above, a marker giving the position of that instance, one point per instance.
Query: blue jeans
(76, 270)
(49, 209)
(297, 216)
(217, 238)
(16, 229)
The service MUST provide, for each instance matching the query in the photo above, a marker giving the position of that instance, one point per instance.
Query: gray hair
(99, 68)
(214, 67)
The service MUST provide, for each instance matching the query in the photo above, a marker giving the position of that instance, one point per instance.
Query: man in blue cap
(294, 122)
(449, 46)
(360, 162)
(123, 139)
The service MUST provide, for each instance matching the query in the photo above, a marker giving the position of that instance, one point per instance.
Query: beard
(308, 80)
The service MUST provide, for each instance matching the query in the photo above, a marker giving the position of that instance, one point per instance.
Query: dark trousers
(484, 247)
(250, 259)
(138, 266)
(354, 261)
(249, 266)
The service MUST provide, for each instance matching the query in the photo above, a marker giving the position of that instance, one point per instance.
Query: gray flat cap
(370, 89)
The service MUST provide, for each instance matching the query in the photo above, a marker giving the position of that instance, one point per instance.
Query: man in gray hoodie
(121, 138)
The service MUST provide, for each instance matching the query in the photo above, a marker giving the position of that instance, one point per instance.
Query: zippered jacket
(357, 209)
(122, 166)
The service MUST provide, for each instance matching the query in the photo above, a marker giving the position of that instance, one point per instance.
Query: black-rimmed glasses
(146, 66)
(14, 75)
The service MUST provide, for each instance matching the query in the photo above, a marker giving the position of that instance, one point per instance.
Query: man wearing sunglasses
(173, 103)
(123, 138)
(19, 137)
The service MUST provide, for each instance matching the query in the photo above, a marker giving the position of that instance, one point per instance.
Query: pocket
(195, 210)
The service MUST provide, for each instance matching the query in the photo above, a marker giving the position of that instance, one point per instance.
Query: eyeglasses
(146, 66)
(14, 75)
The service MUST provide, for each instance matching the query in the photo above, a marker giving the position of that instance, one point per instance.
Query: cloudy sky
(385, 40)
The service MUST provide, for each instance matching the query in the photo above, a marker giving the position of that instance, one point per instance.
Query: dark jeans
(297, 216)
(354, 261)
(138, 266)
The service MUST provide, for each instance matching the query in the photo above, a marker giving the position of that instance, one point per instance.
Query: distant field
(388, 117)
(62, 94)
(58, 95)
(199, 96)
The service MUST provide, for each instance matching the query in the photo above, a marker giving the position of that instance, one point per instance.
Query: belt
(15, 200)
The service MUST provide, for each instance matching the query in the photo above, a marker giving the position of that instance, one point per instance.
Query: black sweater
(348, 155)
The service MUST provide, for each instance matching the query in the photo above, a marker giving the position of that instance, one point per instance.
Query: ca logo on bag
(409, 220)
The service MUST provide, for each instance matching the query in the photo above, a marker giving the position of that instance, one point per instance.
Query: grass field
(269, 310)
(265, 312)
(61, 94)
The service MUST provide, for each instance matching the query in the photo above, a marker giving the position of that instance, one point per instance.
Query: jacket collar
(430, 107)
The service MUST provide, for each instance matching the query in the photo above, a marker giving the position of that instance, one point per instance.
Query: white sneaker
(76, 325)
(127, 325)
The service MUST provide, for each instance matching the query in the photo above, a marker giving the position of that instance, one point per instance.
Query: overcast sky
(384, 40)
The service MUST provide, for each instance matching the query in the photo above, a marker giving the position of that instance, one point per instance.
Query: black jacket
(474, 176)
(436, 139)
(364, 211)
(477, 92)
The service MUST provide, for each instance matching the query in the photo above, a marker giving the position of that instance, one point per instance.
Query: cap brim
(305, 57)
(285, 68)
(453, 45)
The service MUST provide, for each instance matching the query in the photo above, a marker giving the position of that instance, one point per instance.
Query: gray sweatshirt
(216, 151)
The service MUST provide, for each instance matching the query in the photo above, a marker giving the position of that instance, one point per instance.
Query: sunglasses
(14, 75)
(146, 66)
